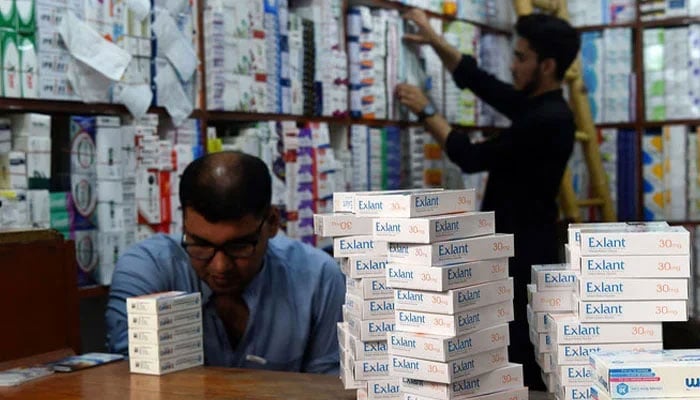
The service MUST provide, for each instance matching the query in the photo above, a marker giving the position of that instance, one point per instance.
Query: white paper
(140, 8)
(172, 96)
(173, 44)
(90, 85)
(88, 46)
(137, 98)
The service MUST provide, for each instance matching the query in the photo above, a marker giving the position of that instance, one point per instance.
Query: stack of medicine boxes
(452, 296)
(631, 277)
(165, 332)
(369, 310)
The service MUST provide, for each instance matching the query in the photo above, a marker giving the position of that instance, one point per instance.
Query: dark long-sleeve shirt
(526, 161)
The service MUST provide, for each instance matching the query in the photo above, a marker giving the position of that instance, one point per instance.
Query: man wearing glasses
(268, 301)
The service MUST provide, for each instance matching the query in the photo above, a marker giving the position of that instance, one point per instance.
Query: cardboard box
(553, 277)
(633, 311)
(455, 300)
(567, 329)
(416, 204)
(332, 225)
(451, 371)
(661, 266)
(369, 309)
(155, 352)
(433, 229)
(453, 251)
(506, 378)
(574, 375)
(658, 241)
(440, 348)
(369, 288)
(344, 202)
(597, 289)
(364, 267)
(454, 325)
(537, 320)
(155, 321)
(163, 303)
(579, 354)
(368, 330)
(440, 279)
(165, 336)
(358, 246)
(663, 374)
(550, 301)
(511, 394)
(166, 365)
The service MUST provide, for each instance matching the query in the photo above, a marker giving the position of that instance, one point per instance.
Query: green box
(28, 66)
(8, 14)
(26, 16)
(11, 86)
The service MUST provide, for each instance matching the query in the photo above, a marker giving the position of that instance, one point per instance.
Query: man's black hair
(550, 37)
(226, 186)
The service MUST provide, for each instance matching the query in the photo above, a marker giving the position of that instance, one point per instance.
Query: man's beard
(531, 86)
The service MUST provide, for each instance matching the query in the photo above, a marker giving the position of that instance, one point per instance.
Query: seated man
(267, 301)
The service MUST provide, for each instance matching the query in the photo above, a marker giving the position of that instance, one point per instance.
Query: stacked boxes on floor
(452, 295)
(629, 278)
(165, 332)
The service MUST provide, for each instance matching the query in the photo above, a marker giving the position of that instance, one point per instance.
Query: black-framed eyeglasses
(234, 249)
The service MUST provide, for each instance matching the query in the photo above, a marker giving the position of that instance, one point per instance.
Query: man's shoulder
(156, 249)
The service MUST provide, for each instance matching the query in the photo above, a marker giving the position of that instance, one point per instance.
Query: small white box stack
(165, 332)
(452, 296)
(630, 277)
(369, 310)
(664, 374)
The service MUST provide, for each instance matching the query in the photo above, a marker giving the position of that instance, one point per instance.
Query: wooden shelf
(683, 222)
(616, 125)
(670, 22)
(87, 292)
(232, 116)
(659, 124)
(402, 7)
(9, 104)
(590, 28)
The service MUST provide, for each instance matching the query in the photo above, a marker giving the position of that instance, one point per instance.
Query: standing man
(268, 301)
(526, 161)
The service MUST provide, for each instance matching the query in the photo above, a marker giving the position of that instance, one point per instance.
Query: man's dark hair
(550, 37)
(226, 186)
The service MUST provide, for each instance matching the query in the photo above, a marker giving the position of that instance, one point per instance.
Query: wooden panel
(38, 292)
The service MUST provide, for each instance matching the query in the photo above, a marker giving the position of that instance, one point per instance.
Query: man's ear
(548, 67)
(273, 221)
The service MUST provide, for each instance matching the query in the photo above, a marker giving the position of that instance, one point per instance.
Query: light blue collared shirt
(295, 302)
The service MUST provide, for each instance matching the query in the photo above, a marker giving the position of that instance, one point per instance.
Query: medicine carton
(568, 329)
(511, 394)
(156, 321)
(344, 202)
(502, 379)
(659, 266)
(434, 229)
(553, 277)
(385, 389)
(360, 350)
(572, 392)
(339, 224)
(361, 245)
(154, 351)
(364, 267)
(369, 309)
(633, 311)
(347, 374)
(440, 348)
(166, 365)
(412, 205)
(537, 320)
(368, 330)
(453, 251)
(369, 288)
(574, 230)
(579, 354)
(574, 375)
(371, 369)
(550, 301)
(597, 289)
(456, 300)
(440, 279)
(662, 374)
(457, 324)
(544, 360)
(450, 371)
(165, 337)
(659, 241)
(164, 302)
